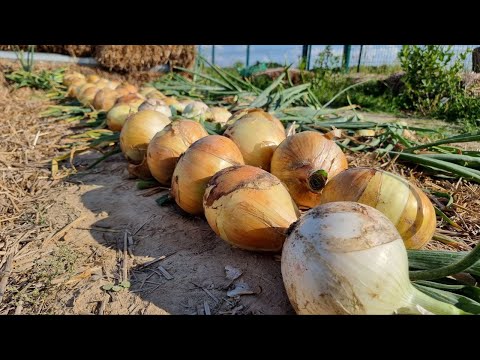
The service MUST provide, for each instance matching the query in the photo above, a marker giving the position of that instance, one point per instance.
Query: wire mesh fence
(360, 55)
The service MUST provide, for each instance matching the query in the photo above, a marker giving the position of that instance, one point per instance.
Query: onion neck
(432, 305)
(317, 180)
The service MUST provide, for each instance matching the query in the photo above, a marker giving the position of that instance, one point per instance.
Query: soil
(65, 238)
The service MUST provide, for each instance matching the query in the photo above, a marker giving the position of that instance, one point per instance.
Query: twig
(208, 292)
(101, 308)
(129, 247)
(156, 260)
(19, 308)
(63, 232)
(125, 256)
(36, 139)
(165, 273)
(6, 275)
(140, 228)
(206, 308)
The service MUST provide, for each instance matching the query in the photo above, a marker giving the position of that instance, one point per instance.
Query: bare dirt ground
(62, 241)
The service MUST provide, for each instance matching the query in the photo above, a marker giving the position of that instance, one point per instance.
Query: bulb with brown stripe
(167, 145)
(203, 159)
(305, 162)
(407, 207)
(249, 208)
(257, 135)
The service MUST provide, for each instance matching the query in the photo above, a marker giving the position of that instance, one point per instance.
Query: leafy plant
(433, 85)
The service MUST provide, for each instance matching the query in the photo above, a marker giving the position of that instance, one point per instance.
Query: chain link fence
(360, 55)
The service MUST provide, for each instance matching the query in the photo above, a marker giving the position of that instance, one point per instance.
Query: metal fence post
(248, 56)
(309, 57)
(305, 54)
(213, 54)
(359, 58)
(346, 57)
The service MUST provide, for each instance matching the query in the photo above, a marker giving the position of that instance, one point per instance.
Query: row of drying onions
(345, 255)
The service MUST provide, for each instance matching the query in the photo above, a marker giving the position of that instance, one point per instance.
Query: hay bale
(127, 58)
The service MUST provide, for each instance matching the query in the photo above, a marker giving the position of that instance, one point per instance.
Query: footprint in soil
(190, 277)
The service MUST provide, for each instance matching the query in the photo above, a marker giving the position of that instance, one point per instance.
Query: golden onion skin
(249, 208)
(257, 135)
(167, 145)
(218, 115)
(87, 95)
(203, 159)
(137, 132)
(105, 99)
(407, 207)
(93, 78)
(296, 162)
(126, 89)
(155, 95)
(71, 78)
(118, 114)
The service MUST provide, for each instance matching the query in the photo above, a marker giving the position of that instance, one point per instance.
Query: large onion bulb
(249, 208)
(257, 135)
(168, 144)
(203, 159)
(348, 258)
(105, 99)
(407, 207)
(118, 114)
(156, 105)
(305, 162)
(87, 95)
(137, 132)
(70, 78)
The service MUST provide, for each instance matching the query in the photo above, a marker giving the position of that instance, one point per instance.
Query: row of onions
(345, 255)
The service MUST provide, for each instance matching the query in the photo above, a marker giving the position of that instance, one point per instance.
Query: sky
(375, 55)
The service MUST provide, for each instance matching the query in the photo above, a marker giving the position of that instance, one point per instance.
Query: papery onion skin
(137, 132)
(140, 171)
(145, 90)
(93, 78)
(218, 115)
(87, 95)
(118, 114)
(348, 258)
(156, 105)
(167, 145)
(127, 88)
(407, 207)
(203, 159)
(155, 95)
(249, 208)
(298, 162)
(70, 78)
(257, 135)
(75, 86)
(105, 99)
(131, 98)
(195, 110)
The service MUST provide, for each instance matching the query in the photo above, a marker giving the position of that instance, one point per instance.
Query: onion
(118, 114)
(93, 78)
(137, 132)
(197, 165)
(102, 83)
(155, 95)
(195, 110)
(69, 79)
(156, 105)
(145, 90)
(257, 135)
(87, 95)
(113, 84)
(407, 207)
(182, 104)
(249, 208)
(105, 99)
(74, 88)
(305, 162)
(167, 145)
(218, 115)
(126, 88)
(131, 99)
(348, 258)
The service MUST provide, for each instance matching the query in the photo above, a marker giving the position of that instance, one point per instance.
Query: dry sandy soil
(62, 241)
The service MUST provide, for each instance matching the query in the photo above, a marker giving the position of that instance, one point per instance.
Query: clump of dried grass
(128, 58)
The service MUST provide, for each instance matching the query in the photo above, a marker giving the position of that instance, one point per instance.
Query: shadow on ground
(195, 281)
